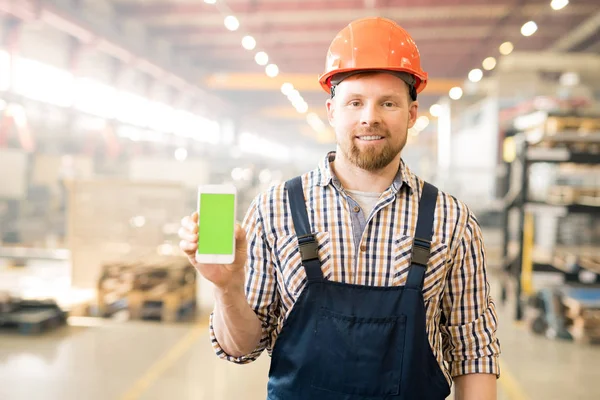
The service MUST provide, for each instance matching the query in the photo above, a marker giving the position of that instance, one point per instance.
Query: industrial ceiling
(454, 37)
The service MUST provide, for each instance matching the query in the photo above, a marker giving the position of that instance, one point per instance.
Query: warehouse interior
(113, 112)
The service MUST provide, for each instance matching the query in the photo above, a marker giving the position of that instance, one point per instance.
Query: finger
(187, 235)
(241, 244)
(188, 247)
(240, 233)
(192, 225)
(185, 220)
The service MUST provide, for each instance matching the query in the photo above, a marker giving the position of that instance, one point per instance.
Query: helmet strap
(413, 92)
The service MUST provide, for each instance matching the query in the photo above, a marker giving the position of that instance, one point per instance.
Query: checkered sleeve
(261, 285)
(469, 330)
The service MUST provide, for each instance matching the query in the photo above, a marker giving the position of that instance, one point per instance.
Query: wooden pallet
(162, 303)
(114, 284)
(124, 283)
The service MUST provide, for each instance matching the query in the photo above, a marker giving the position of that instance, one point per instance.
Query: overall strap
(423, 235)
(306, 240)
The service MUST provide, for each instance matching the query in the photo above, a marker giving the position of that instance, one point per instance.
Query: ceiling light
(301, 107)
(559, 4)
(248, 43)
(569, 79)
(456, 93)
(231, 23)
(294, 95)
(475, 75)
(272, 70)
(210, 1)
(297, 101)
(489, 63)
(421, 123)
(506, 48)
(181, 154)
(529, 28)
(261, 58)
(435, 110)
(287, 88)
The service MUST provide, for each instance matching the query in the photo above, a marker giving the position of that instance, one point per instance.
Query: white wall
(474, 148)
(13, 173)
(42, 43)
(190, 173)
(97, 66)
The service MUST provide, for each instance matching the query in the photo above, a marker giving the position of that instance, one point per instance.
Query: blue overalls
(350, 342)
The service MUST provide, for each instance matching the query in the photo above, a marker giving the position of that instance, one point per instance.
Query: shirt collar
(404, 175)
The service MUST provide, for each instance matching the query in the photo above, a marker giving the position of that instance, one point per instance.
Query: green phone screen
(216, 219)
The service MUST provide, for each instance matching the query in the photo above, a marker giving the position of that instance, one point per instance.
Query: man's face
(371, 114)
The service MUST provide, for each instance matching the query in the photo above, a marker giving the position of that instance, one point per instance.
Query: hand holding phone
(211, 239)
(216, 224)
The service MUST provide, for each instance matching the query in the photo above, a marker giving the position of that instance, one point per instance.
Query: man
(361, 280)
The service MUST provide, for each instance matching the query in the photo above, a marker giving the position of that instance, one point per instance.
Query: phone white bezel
(217, 189)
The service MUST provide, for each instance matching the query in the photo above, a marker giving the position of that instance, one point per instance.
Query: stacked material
(30, 316)
(582, 312)
(161, 287)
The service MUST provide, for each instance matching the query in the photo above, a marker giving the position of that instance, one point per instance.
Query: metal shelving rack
(521, 264)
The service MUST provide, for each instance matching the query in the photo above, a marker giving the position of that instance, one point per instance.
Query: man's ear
(330, 105)
(413, 111)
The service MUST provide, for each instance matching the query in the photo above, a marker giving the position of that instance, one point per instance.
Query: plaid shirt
(374, 250)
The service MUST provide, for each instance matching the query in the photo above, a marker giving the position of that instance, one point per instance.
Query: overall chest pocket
(359, 356)
(290, 262)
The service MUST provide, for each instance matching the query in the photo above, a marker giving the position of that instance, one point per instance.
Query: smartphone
(216, 224)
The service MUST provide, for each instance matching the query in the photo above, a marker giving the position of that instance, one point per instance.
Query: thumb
(241, 244)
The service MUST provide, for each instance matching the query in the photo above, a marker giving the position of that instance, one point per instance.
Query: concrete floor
(151, 360)
(96, 359)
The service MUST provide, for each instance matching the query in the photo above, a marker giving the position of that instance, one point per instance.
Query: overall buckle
(308, 247)
(420, 252)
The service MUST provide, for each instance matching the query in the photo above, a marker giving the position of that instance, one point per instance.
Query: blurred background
(112, 112)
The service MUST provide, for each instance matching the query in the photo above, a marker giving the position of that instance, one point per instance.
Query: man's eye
(388, 104)
(354, 103)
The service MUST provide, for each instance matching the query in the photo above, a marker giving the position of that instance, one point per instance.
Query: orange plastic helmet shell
(373, 43)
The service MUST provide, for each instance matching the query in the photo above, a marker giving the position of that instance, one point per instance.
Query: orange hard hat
(373, 44)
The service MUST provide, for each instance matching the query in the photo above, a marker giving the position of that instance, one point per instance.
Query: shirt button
(363, 248)
(356, 209)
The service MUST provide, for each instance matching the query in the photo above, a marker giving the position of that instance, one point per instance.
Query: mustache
(371, 131)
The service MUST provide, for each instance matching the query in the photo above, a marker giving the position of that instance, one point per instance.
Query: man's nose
(370, 115)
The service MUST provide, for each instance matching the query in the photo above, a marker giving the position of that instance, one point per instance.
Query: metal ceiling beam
(343, 16)
(60, 15)
(583, 63)
(310, 51)
(185, 7)
(302, 82)
(274, 27)
(325, 36)
(578, 35)
(340, 16)
(290, 113)
(229, 2)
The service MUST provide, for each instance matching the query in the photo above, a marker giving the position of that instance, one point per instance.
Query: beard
(372, 158)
